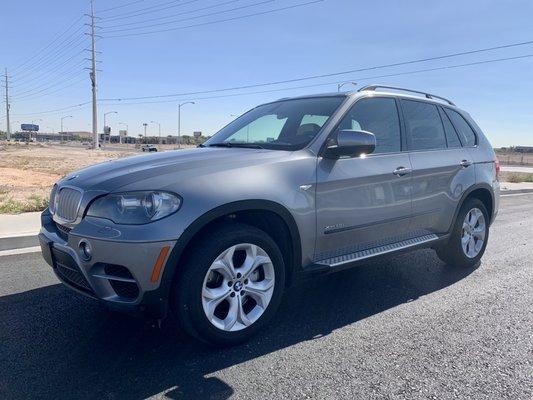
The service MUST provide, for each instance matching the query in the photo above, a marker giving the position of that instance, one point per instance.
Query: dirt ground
(27, 172)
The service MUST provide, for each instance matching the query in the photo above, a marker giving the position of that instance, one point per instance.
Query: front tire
(469, 236)
(230, 285)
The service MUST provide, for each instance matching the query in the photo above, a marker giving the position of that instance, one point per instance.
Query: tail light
(497, 165)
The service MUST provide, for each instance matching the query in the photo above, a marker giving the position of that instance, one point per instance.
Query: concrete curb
(515, 191)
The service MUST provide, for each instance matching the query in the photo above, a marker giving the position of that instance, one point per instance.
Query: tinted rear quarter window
(467, 135)
(379, 116)
(451, 134)
(423, 125)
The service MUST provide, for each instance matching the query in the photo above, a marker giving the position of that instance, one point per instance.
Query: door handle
(401, 171)
(465, 163)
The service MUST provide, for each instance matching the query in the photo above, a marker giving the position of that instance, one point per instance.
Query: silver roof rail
(427, 95)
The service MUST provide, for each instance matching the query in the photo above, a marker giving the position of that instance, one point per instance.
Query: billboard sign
(29, 127)
(197, 134)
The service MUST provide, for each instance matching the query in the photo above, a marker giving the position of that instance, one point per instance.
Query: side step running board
(375, 251)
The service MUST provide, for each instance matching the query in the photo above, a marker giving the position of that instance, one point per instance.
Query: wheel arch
(481, 191)
(267, 215)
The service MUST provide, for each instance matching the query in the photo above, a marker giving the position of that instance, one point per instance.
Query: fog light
(86, 250)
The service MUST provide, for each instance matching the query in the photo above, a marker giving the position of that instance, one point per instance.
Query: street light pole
(62, 118)
(155, 122)
(105, 114)
(345, 83)
(127, 129)
(145, 125)
(179, 120)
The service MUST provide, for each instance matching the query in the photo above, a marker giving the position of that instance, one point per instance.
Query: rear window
(466, 133)
(424, 126)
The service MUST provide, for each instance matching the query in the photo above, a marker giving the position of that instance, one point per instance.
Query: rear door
(442, 168)
(361, 202)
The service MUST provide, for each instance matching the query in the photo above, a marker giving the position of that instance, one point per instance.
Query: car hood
(171, 165)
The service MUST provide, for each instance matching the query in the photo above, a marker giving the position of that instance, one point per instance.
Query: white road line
(24, 250)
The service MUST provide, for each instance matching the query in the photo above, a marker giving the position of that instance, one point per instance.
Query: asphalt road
(409, 327)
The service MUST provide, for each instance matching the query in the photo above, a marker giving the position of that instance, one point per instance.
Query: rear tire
(239, 264)
(469, 236)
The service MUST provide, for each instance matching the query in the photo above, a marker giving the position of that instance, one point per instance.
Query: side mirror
(351, 143)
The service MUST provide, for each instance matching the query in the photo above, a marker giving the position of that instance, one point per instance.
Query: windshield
(283, 125)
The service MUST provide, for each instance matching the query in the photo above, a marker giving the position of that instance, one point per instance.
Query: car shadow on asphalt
(56, 344)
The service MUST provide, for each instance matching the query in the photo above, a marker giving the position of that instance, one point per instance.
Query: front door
(365, 202)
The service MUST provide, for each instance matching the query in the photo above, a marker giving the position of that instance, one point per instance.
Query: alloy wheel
(473, 232)
(238, 287)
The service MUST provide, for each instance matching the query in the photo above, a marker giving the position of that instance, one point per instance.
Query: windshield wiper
(243, 145)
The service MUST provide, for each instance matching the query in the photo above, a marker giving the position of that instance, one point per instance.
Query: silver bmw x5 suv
(293, 187)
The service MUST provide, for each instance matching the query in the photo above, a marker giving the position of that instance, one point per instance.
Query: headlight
(134, 208)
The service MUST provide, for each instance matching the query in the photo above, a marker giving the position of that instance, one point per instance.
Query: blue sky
(320, 38)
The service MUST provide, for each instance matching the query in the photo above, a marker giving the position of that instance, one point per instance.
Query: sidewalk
(27, 224)
(521, 187)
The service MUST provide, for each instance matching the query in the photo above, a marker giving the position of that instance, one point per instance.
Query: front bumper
(125, 275)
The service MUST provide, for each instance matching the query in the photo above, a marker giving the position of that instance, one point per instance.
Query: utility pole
(8, 130)
(179, 121)
(92, 74)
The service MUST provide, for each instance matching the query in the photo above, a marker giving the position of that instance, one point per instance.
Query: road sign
(29, 127)
(107, 130)
(123, 133)
(197, 134)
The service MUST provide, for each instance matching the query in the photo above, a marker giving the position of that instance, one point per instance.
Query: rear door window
(466, 133)
(423, 125)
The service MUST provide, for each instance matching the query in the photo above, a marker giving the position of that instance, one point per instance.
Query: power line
(120, 103)
(510, 45)
(49, 44)
(56, 72)
(219, 21)
(175, 15)
(148, 10)
(189, 18)
(52, 55)
(121, 6)
(328, 83)
(84, 79)
(32, 93)
(336, 73)
(55, 58)
(54, 110)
